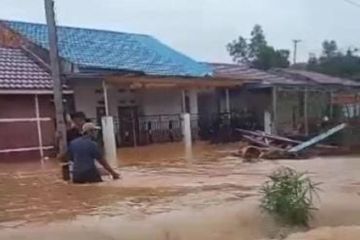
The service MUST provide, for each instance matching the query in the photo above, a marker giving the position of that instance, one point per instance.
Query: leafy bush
(289, 197)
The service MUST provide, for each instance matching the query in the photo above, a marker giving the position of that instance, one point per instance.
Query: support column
(227, 101)
(355, 105)
(38, 125)
(108, 132)
(186, 128)
(183, 101)
(306, 121)
(331, 110)
(106, 98)
(267, 122)
(133, 123)
(274, 110)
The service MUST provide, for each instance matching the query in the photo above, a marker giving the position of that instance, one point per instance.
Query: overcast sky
(202, 28)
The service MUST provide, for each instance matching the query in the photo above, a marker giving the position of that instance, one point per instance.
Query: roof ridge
(76, 27)
(168, 48)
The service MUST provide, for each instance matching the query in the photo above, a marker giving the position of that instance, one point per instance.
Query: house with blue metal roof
(142, 83)
(90, 48)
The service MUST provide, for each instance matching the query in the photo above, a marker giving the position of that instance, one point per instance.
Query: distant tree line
(336, 62)
(256, 52)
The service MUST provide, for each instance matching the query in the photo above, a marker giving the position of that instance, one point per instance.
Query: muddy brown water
(163, 195)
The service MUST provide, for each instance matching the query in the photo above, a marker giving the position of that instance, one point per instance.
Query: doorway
(100, 112)
(128, 126)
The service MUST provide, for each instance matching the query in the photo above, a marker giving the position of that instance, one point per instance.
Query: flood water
(164, 195)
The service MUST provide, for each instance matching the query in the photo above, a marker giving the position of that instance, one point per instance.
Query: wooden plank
(260, 143)
(317, 139)
(279, 138)
(268, 136)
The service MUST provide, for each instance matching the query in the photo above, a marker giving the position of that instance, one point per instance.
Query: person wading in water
(84, 152)
(78, 119)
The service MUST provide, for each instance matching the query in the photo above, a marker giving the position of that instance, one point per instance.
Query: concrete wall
(208, 102)
(88, 95)
(213, 101)
(160, 101)
(252, 100)
(289, 111)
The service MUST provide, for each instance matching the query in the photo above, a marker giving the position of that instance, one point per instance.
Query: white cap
(89, 126)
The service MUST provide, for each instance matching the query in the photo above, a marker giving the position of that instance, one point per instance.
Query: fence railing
(148, 129)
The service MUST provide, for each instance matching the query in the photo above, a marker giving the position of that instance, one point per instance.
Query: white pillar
(38, 125)
(186, 128)
(183, 100)
(267, 122)
(193, 96)
(108, 132)
(106, 99)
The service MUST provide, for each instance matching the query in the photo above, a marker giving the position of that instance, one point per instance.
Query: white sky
(202, 28)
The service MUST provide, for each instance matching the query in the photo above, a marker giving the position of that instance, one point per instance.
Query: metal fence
(148, 129)
(220, 128)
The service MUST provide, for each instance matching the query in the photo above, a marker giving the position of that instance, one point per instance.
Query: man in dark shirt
(84, 152)
(78, 119)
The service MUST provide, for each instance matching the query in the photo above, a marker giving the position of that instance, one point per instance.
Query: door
(128, 126)
(100, 112)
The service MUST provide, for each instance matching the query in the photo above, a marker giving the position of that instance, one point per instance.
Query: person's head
(90, 129)
(78, 119)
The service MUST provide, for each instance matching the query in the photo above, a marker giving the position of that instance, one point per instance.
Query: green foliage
(336, 63)
(330, 48)
(256, 52)
(289, 197)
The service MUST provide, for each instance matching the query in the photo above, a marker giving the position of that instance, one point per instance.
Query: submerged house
(144, 84)
(283, 101)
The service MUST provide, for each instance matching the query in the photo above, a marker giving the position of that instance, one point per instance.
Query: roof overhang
(134, 80)
(31, 92)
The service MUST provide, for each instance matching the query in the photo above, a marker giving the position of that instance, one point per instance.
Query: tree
(330, 48)
(336, 63)
(256, 52)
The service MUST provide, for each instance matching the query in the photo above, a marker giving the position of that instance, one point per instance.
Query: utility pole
(55, 72)
(296, 41)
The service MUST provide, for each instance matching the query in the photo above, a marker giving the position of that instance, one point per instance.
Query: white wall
(87, 95)
(86, 100)
(161, 101)
(193, 96)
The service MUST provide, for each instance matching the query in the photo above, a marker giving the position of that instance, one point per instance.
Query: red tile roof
(20, 72)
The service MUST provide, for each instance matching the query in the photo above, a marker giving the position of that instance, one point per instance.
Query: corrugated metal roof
(241, 71)
(114, 50)
(17, 71)
(317, 78)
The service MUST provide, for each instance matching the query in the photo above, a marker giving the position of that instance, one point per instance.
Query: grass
(288, 196)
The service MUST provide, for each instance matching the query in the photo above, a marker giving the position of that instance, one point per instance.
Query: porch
(145, 110)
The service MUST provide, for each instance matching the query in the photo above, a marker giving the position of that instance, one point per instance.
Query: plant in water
(289, 197)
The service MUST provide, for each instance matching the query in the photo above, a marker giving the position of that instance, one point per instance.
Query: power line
(356, 4)
(296, 42)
